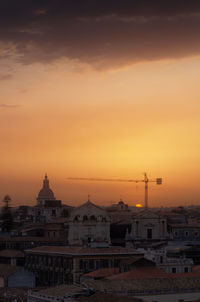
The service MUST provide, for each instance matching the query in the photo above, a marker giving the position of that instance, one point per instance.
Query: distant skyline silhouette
(104, 90)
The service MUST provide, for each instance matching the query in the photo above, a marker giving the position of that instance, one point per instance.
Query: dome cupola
(45, 193)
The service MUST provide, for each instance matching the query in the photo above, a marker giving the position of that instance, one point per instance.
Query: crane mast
(146, 190)
(146, 181)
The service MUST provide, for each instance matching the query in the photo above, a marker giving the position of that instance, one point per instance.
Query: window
(116, 262)
(76, 218)
(104, 263)
(85, 218)
(149, 233)
(81, 264)
(137, 228)
(186, 234)
(97, 263)
(66, 263)
(176, 234)
(174, 270)
(91, 264)
(186, 269)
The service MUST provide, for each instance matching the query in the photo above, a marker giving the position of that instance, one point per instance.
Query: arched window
(85, 218)
(93, 218)
(76, 218)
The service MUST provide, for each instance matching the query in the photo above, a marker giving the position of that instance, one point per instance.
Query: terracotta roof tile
(53, 226)
(31, 228)
(99, 297)
(131, 260)
(104, 272)
(139, 273)
(150, 285)
(61, 290)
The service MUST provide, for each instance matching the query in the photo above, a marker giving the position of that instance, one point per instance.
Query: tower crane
(145, 180)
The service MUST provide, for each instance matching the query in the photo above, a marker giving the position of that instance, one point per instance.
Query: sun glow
(138, 205)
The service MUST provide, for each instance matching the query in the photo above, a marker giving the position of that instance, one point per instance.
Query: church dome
(45, 193)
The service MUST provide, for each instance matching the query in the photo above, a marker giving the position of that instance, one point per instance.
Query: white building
(148, 226)
(89, 223)
(168, 264)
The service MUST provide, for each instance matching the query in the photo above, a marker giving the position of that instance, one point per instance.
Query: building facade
(58, 265)
(48, 207)
(148, 226)
(88, 223)
(185, 232)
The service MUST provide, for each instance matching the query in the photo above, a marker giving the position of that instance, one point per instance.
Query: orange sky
(69, 119)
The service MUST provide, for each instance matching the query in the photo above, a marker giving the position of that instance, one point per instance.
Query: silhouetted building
(45, 193)
(185, 232)
(48, 207)
(147, 226)
(89, 224)
(57, 265)
(16, 276)
(12, 257)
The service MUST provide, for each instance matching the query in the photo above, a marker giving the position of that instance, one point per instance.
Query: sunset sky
(107, 89)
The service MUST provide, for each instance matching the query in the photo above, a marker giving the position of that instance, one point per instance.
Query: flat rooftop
(77, 251)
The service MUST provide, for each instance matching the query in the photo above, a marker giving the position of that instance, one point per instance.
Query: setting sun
(138, 205)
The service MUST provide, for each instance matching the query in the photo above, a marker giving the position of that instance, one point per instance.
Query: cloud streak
(101, 33)
(9, 106)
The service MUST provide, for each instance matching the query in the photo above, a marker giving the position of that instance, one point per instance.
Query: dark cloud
(101, 33)
(4, 77)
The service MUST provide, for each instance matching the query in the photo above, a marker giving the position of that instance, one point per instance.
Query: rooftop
(139, 273)
(62, 290)
(53, 226)
(11, 254)
(77, 251)
(99, 297)
(184, 225)
(154, 285)
(102, 273)
(27, 238)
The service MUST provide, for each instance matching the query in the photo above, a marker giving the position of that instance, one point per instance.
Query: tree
(6, 215)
